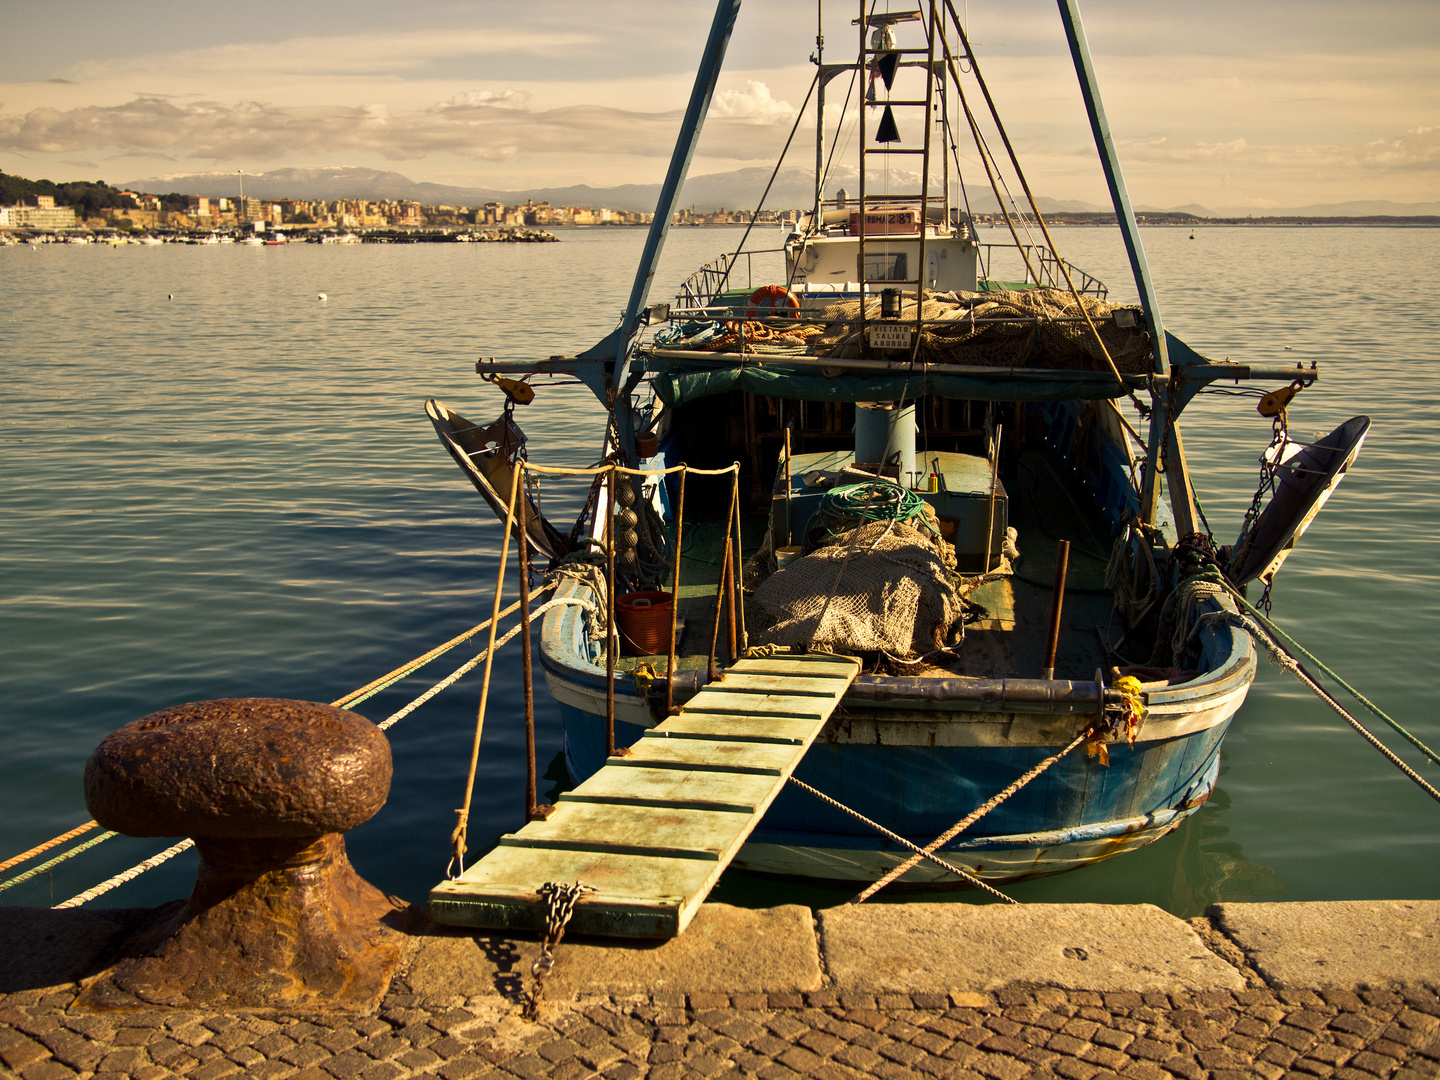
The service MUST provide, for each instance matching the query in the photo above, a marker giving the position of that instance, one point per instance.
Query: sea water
(215, 483)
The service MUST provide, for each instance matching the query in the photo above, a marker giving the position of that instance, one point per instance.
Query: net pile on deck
(882, 587)
(1042, 328)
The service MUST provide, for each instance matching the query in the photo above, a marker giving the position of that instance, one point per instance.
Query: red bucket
(644, 619)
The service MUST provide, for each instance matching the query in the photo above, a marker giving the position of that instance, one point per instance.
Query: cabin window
(886, 266)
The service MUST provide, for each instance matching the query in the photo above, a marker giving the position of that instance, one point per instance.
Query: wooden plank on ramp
(652, 832)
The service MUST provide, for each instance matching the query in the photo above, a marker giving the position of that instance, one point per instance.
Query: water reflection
(1184, 873)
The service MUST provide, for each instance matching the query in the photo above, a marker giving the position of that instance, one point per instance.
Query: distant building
(44, 216)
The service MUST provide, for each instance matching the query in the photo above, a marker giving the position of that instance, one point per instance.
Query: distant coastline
(1179, 220)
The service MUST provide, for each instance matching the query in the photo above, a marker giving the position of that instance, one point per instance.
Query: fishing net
(1041, 328)
(1038, 328)
(880, 587)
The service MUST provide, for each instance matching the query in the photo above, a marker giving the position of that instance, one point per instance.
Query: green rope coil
(846, 508)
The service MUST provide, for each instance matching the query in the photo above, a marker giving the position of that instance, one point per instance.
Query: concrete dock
(1349, 990)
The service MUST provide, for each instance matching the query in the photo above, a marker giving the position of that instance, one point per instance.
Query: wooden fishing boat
(975, 488)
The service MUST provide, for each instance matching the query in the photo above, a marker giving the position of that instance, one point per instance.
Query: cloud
(1417, 150)
(481, 125)
(754, 103)
(364, 55)
(1160, 149)
(484, 99)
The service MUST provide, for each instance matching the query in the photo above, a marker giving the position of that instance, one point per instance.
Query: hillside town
(175, 216)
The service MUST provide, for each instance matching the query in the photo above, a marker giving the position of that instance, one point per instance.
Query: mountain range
(739, 189)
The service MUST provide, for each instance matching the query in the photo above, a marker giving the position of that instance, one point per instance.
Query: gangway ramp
(653, 832)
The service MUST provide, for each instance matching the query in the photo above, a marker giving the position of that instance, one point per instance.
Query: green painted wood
(717, 701)
(813, 669)
(771, 758)
(776, 684)
(739, 728)
(652, 832)
(668, 831)
(675, 787)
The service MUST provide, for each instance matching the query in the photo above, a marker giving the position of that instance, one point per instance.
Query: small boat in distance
(958, 466)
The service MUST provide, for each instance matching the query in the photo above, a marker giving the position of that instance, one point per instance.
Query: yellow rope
(596, 470)
(462, 815)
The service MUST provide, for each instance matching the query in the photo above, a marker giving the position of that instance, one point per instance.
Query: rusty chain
(560, 901)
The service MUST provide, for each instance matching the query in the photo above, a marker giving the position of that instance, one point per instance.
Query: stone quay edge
(1349, 990)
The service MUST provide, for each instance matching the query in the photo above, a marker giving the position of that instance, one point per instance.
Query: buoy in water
(322, 296)
(169, 296)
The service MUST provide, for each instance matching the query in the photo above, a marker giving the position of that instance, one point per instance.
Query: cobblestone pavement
(1008, 1035)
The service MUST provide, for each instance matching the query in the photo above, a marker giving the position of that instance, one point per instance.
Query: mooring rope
(127, 875)
(369, 690)
(1292, 665)
(475, 661)
(1375, 709)
(42, 848)
(372, 688)
(56, 861)
(959, 871)
(970, 819)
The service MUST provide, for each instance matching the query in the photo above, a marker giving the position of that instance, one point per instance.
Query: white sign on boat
(890, 335)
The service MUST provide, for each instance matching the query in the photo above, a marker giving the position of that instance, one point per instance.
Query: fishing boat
(960, 475)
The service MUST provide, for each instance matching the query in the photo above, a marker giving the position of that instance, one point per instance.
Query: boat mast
(1164, 438)
(619, 343)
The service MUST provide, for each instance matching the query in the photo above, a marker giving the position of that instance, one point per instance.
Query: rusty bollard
(278, 917)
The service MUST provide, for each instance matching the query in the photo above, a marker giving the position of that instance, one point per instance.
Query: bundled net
(1040, 328)
(884, 586)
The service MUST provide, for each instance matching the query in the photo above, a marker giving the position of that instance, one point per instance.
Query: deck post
(532, 811)
(672, 663)
(612, 639)
(1057, 600)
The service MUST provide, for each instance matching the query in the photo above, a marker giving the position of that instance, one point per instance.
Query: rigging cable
(1270, 631)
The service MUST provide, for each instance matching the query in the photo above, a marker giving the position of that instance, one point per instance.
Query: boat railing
(1046, 266)
(701, 288)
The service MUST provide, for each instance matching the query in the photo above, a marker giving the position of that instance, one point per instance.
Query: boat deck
(1046, 506)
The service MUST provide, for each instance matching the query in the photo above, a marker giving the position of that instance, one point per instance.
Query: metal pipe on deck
(994, 483)
(531, 810)
(725, 575)
(1052, 642)
(788, 519)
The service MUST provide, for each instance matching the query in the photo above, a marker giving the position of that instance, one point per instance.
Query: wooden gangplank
(652, 832)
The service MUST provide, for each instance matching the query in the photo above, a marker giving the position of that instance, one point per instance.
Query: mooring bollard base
(278, 918)
(272, 924)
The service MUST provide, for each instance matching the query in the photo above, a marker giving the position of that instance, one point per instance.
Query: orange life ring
(773, 300)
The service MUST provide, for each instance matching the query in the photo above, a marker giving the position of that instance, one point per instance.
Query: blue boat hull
(917, 770)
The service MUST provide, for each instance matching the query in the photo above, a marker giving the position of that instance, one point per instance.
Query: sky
(1218, 103)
